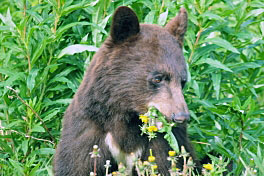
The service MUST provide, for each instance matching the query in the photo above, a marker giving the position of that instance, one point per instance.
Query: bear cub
(138, 66)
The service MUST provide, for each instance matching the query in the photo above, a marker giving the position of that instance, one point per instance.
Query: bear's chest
(120, 156)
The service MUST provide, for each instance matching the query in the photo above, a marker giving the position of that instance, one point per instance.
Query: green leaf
(214, 63)
(196, 88)
(33, 171)
(17, 166)
(63, 29)
(149, 19)
(172, 141)
(205, 103)
(222, 43)
(7, 71)
(78, 48)
(247, 103)
(65, 101)
(31, 78)
(238, 67)
(65, 72)
(45, 151)
(51, 115)
(38, 128)
(65, 11)
(6, 147)
(255, 12)
(104, 22)
(10, 81)
(211, 16)
(203, 52)
(39, 50)
(24, 146)
(216, 83)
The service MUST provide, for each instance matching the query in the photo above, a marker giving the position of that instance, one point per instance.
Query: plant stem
(57, 17)
(95, 166)
(208, 91)
(184, 165)
(34, 112)
(28, 136)
(150, 151)
(162, 6)
(137, 169)
(24, 13)
(241, 134)
(24, 34)
(195, 44)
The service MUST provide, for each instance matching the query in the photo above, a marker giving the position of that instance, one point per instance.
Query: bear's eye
(157, 79)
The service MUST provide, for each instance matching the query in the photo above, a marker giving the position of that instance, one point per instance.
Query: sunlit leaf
(78, 48)
(214, 63)
(222, 43)
(163, 17)
(38, 128)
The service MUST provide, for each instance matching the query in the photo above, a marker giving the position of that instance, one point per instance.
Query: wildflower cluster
(188, 164)
(217, 167)
(148, 167)
(154, 121)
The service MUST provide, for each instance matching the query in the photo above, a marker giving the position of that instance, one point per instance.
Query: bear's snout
(180, 117)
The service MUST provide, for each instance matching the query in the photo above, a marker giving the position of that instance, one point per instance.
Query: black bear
(138, 66)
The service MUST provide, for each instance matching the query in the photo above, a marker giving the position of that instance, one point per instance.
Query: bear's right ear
(124, 25)
(178, 26)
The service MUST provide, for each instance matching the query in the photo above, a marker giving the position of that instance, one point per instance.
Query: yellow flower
(151, 158)
(208, 166)
(172, 153)
(144, 118)
(152, 128)
(154, 167)
(114, 173)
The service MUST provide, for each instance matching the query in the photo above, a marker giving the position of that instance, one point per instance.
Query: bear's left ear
(124, 25)
(178, 25)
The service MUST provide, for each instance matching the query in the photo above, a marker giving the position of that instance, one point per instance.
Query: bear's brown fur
(138, 66)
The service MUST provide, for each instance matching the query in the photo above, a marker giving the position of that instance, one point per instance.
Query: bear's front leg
(74, 154)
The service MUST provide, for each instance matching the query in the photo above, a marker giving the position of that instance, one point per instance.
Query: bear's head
(142, 65)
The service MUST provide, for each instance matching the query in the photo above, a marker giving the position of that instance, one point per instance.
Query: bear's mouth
(179, 118)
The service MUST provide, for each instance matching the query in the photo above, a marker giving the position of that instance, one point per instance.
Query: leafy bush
(46, 45)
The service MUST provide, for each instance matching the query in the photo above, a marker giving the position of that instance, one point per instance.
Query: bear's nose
(180, 117)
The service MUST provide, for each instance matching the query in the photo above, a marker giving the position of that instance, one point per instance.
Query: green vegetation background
(45, 46)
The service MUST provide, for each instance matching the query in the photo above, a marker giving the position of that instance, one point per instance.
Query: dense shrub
(45, 46)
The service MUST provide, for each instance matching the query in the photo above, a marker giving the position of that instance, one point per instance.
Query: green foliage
(45, 46)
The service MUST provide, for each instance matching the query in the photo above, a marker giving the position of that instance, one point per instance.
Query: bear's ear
(124, 25)
(178, 25)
